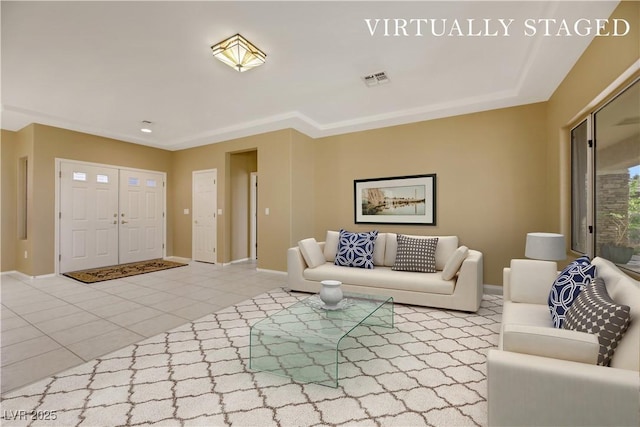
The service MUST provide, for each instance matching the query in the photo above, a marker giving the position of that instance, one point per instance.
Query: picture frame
(395, 200)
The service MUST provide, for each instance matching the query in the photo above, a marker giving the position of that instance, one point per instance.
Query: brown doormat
(94, 275)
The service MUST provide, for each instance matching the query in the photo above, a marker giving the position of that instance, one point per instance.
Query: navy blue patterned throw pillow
(356, 249)
(567, 286)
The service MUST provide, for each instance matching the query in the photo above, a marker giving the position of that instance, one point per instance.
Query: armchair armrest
(551, 342)
(533, 390)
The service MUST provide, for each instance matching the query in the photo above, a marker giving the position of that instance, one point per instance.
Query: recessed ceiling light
(146, 126)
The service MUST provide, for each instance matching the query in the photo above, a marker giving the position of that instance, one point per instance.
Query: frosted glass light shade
(238, 53)
(545, 246)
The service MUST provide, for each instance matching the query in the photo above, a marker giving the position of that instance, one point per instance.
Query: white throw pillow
(379, 248)
(331, 245)
(454, 262)
(311, 252)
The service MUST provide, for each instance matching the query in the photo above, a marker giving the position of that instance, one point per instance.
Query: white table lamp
(545, 246)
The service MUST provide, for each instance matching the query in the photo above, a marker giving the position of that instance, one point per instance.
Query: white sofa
(462, 292)
(541, 375)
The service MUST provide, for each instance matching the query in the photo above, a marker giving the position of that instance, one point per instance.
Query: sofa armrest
(470, 281)
(296, 266)
(531, 390)
(551, 342)
(529, 281)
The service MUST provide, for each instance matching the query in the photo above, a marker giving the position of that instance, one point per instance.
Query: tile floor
(53, 323)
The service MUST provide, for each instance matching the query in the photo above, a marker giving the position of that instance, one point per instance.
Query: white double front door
(109, 216)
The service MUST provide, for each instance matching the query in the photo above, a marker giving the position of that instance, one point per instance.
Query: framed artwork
(395, 200)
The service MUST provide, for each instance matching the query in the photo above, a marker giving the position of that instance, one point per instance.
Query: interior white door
(141, 220)
(205, 205)
(88, 217)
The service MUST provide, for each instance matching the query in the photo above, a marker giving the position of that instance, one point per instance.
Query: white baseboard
(263, 270)
(492, 289)
(178, 259)
(27, 277)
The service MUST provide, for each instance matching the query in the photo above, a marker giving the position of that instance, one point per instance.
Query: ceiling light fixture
(146, 126)
(238, 53)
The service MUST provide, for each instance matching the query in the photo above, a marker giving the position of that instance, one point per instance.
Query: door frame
(58, 208)
(253, 211)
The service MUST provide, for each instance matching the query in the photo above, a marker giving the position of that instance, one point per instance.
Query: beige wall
(273, 166)
(490, 168)
(603, 62)
(49, 143)
(303, 187)
(9, 184)
(16, 145)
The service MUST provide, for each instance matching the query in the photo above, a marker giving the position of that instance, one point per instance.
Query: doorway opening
(243, 169)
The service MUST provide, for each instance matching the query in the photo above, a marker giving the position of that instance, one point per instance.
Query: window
(607, 224)
(579, 185)
(79, 176)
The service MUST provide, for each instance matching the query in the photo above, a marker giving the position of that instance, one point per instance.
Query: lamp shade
(545, 246)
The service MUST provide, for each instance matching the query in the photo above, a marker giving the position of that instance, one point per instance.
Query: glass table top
(302, 341)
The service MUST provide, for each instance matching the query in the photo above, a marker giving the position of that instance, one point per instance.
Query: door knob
(115, 222)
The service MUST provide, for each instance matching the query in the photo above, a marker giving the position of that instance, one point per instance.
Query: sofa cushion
(530, 281)
(555, 343)
(454, 262)
(567, 286)
(417, 255)
(595, 312)
(446, 246)
(382, 277)
(356, 249)
(331, 245)
(311, 252)
(379, 249)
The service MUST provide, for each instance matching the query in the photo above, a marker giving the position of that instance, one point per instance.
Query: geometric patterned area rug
(430, 369)
(100, 274)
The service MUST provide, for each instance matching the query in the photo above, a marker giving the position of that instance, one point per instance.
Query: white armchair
(541, 375)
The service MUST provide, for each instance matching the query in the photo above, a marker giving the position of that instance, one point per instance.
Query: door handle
(124, 222)
(115, 222)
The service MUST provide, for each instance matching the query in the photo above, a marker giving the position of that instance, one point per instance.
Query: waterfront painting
(396, 200)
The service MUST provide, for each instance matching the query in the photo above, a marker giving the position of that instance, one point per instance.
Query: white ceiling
(103, 67)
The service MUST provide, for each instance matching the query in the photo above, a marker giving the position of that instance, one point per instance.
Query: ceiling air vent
(376, 79)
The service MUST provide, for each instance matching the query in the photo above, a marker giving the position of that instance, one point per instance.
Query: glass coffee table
(303, 341)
